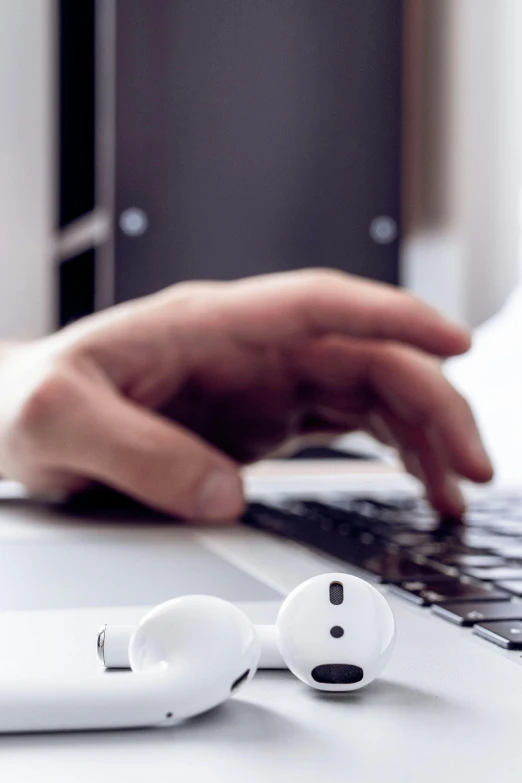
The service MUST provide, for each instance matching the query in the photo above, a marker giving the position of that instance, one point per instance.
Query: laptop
(447, 707)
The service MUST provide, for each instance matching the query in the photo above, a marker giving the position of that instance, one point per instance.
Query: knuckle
(320, 285)
(461, 401)
(393, 359)
(401, 304)
(405, 296)
(190, 288)
(324, 276)
(44, 405)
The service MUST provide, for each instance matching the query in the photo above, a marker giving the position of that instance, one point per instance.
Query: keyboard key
(511, 551)
(474, 561)
(324, 511)
(330, 517)
(495, 574)
(395, 567)
(506, 527)
(436, 550)
(513, 586)
(403, 538)
(368, 507)
(418, 520)
(346, 549)
(399, 499)
(492, 505)
(478, 539)
(479, 612)
(502, 544)
(272, 520)
(515, 512)
(478, 519)
(446, 592)
(506, 634)
(433, 549)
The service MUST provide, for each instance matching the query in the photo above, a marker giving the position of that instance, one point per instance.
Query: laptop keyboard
(468, 572)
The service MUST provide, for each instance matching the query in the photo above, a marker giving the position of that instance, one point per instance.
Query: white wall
(26, 200)
(464, 239)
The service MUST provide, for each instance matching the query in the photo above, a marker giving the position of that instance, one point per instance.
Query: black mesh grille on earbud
(338, 673)
(336, 593)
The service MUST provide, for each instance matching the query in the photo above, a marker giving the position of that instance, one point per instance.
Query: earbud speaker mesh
(337, 673)
(336, 593)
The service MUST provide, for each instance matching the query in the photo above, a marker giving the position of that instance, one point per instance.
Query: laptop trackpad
(133, 568)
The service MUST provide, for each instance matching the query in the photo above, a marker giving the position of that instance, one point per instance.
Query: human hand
(165, 397)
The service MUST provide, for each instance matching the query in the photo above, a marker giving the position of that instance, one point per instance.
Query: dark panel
(257, 136)
(76, 287)
(76, 109)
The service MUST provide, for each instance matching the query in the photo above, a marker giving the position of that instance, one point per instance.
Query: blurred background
(143, 142)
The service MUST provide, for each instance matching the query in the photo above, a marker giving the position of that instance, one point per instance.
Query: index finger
(288, 307)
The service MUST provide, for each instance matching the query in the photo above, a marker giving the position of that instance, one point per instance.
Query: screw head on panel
(383, 230)
(134, 221)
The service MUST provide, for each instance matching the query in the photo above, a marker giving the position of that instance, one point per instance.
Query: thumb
(157, 462)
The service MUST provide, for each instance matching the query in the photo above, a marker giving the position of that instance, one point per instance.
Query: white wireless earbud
(335, 632)
(188, 655)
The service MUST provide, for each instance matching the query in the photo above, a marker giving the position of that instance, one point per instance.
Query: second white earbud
(336, 632)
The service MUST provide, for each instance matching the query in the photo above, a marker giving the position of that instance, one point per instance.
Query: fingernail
(482, 459)
(462, 327)
(453, 494)
(465, 335)
(220, 497)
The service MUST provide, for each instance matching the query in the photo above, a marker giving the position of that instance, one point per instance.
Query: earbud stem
(270, 656)
(113, 647)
